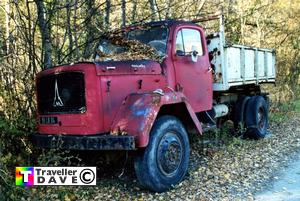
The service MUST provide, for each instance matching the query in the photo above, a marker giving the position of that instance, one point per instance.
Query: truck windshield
(156, 37)
(107, 47)
(139, 40)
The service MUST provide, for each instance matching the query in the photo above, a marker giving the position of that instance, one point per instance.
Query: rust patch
(149, 122)
(174, 97)
(118, 131)
(156, 100)
(218, 77)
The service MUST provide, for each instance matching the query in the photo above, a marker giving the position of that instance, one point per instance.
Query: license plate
(48, 120)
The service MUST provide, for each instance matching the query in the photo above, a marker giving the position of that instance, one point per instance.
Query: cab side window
(188, 40)
(179, 42)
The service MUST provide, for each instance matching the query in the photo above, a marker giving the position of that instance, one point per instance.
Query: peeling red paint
(137, 115)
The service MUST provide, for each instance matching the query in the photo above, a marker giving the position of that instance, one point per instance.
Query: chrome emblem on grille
(57, 102)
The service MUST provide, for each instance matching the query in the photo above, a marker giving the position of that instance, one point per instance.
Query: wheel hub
(169, 153)
(261, 118)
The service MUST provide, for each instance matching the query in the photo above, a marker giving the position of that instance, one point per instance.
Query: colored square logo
(24, 176)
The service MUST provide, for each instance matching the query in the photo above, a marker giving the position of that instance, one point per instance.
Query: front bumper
(77, 142)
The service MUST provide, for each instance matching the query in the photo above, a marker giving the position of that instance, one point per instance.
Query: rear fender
(138, 112)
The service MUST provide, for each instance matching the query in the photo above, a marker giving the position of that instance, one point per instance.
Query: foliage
(135, 50)
(281, 112)
(75, 26)
(14, 151)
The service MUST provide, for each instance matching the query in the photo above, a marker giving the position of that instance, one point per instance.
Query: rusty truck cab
(86, 101)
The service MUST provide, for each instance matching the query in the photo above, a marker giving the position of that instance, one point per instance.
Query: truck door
(193, 76)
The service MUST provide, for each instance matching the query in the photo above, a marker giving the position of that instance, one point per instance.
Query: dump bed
(235, 65)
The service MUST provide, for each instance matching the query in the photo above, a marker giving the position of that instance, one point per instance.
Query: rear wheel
(256, 118)
(239, 115)
(164, 162)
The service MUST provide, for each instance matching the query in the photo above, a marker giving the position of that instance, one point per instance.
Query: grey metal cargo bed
(236, 65)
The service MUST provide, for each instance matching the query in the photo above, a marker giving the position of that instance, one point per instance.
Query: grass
(277, 117)
(297, 106)
(283, 111)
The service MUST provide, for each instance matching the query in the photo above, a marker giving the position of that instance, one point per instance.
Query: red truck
(151, 107)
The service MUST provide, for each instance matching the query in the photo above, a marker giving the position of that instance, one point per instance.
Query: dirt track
(286, 185)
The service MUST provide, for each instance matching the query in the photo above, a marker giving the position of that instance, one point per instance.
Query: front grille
(61, 93)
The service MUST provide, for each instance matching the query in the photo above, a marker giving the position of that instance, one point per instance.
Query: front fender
(138, 112)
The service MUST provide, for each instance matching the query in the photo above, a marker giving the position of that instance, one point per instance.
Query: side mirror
(194, 54)
(180, 53)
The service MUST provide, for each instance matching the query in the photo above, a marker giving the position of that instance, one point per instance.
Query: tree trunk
(107, 13)
(75, 28)
(154, 10)
(69, 31)
(169, 9)
(200, 7)
(7, 25)
(45, 33)
(123, 13)
(134, 11)
(90, 10)
(32, 67)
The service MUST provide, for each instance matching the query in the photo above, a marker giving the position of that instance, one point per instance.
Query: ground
(285, 186)
(230, 169)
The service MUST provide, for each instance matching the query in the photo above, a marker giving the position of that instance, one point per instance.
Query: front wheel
(164, 162)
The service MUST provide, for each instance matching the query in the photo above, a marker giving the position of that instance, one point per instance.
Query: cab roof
(163, 23)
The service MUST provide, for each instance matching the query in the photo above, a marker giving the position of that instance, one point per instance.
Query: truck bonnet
(142, 67)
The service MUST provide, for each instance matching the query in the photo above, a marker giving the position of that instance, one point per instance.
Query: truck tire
(256, 118)
(239, 115)
(164, 162)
